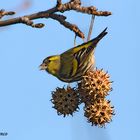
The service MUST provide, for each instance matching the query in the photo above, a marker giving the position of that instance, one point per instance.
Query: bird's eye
(49, 61)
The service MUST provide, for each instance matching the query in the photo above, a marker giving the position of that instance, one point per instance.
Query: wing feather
(73, 59)
(69, 65)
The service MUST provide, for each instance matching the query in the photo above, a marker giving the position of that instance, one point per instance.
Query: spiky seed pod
(99, 113)
(84, 94)
(65, 100)
(94, 84)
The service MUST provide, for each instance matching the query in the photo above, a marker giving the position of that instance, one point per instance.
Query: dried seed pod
(99, 113)
(65, 101)
(94, 84)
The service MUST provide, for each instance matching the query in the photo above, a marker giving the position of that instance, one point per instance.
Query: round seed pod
(65, 100)
(94, 84)
(99, 113)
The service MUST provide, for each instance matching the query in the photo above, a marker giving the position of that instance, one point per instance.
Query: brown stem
(5, 13)
(71, 5)
(43, 14)
(73, 27)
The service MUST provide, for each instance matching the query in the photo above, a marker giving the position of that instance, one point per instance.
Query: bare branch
(73, 27)
(5, 13)
(71, 5)
(76, 5)
(27, 21)
(43, 14)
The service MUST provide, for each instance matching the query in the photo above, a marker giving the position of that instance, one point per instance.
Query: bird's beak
(42, 66)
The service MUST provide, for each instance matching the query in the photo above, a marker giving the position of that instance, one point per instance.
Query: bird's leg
(91, 27)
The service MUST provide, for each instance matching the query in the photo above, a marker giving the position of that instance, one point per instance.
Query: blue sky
(25, 109)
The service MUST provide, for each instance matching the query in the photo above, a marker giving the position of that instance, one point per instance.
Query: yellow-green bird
(71, 65)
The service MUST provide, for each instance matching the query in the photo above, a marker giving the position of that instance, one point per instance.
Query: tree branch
(5, 13)
(71, 5)
(61, 19)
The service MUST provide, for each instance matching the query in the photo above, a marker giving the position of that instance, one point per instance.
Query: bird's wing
(72, 59)
(82, 53)
(69, 65)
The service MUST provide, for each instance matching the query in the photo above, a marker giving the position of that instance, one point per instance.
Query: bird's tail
(99, 37)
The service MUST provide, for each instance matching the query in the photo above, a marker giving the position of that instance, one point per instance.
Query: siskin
(71, 65)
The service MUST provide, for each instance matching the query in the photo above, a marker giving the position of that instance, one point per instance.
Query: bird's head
(51, 64)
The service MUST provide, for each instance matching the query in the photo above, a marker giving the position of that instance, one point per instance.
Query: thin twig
(68, 25)
(5, 13)
(75, 40)
(25, 20)
(91, 27)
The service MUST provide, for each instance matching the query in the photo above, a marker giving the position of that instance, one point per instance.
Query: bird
(71, 65)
